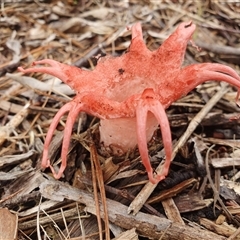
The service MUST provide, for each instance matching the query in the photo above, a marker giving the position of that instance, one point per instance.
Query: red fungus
(130, 93)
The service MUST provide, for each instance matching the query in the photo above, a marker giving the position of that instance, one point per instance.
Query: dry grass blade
(95, 190)
(98, 177)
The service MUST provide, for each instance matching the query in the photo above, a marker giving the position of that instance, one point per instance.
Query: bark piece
(223, 229)
(8, 225)
(146, 225)
(171, 211)
(129, 234)
(191, 202)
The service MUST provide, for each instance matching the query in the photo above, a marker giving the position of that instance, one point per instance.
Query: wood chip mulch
(103, 196)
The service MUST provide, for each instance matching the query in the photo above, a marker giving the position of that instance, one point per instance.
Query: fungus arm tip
(154, 106)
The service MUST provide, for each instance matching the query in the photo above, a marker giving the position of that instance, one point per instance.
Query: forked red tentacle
(66, 108)
(218, 76)
(198, 73)
(159, 112)
(76, 108)
(223, 77)
(141, 116)
(150, 104)
(57, 69)
(216, 67)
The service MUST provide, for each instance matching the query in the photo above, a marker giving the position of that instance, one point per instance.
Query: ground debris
(183, 206)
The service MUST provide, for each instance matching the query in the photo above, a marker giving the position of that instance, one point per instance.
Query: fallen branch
(146, 225)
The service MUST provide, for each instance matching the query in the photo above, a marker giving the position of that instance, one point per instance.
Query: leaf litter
(75, 32)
